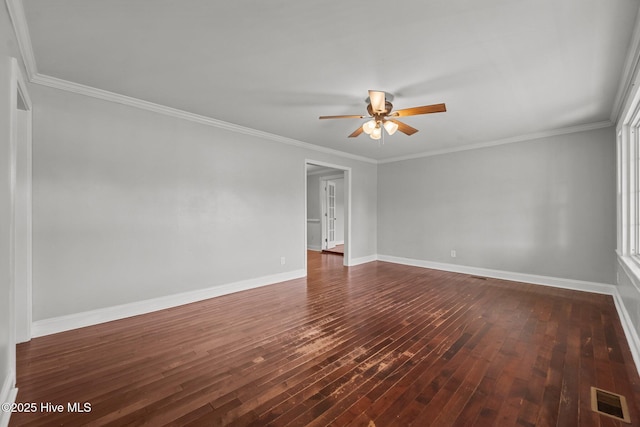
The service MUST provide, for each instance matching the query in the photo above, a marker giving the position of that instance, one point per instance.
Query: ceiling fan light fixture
(369, 126)
(381, 115)
(390, 127)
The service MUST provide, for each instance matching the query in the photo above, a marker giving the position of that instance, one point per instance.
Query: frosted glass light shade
(390, 127)
(376, 133)
(369, 126)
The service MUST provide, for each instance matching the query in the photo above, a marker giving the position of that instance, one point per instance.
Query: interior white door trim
(21, 188)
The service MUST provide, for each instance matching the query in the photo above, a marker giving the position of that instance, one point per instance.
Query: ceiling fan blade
(377, 101)
(404, 128)
(352, 116)
(425, 109)
(356, 132)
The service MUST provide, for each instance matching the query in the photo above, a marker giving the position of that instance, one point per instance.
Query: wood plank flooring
(337, 250)
(373, 345)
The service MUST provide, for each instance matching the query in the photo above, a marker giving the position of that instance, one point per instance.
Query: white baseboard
(629, 330)
(107, 314)
(632, 272)
(362, 260)
(576, 285)
(93, 317)
(314, 248)
(8, 394)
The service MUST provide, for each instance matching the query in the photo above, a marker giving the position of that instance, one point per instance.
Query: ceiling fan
(380, 111)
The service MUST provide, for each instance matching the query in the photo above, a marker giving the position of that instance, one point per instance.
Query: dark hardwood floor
(337, 250)
(373, 345)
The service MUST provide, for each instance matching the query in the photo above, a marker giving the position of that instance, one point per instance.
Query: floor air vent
(610, 404)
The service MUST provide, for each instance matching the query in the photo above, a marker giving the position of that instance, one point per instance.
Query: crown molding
(80, 89)
(519, 138)
(629, 72)
(21, 29)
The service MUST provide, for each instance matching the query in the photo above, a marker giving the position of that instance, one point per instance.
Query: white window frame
(628, 183)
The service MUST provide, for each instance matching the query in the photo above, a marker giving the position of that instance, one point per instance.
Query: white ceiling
(504, 68)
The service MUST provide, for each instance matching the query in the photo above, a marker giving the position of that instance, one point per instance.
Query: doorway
(328, 207)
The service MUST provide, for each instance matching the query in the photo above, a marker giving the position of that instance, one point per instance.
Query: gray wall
(314, 211)
(544, 207)
(313, 197)
(130, 205)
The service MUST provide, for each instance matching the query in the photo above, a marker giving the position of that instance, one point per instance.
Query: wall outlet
(283, 261)
(453, 253)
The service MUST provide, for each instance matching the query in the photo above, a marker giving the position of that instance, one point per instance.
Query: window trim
(628, 183)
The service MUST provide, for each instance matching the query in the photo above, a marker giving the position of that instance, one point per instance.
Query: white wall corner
(108, 314)
(8, 394)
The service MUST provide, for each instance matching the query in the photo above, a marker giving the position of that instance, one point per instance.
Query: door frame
(21, 221)
(348, 242)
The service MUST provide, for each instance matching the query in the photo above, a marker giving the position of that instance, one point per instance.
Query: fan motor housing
(387, 109)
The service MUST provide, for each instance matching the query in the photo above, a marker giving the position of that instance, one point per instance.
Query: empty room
(422, 213)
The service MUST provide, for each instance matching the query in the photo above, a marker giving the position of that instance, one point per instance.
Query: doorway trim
(21, 201)
(348, 242)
